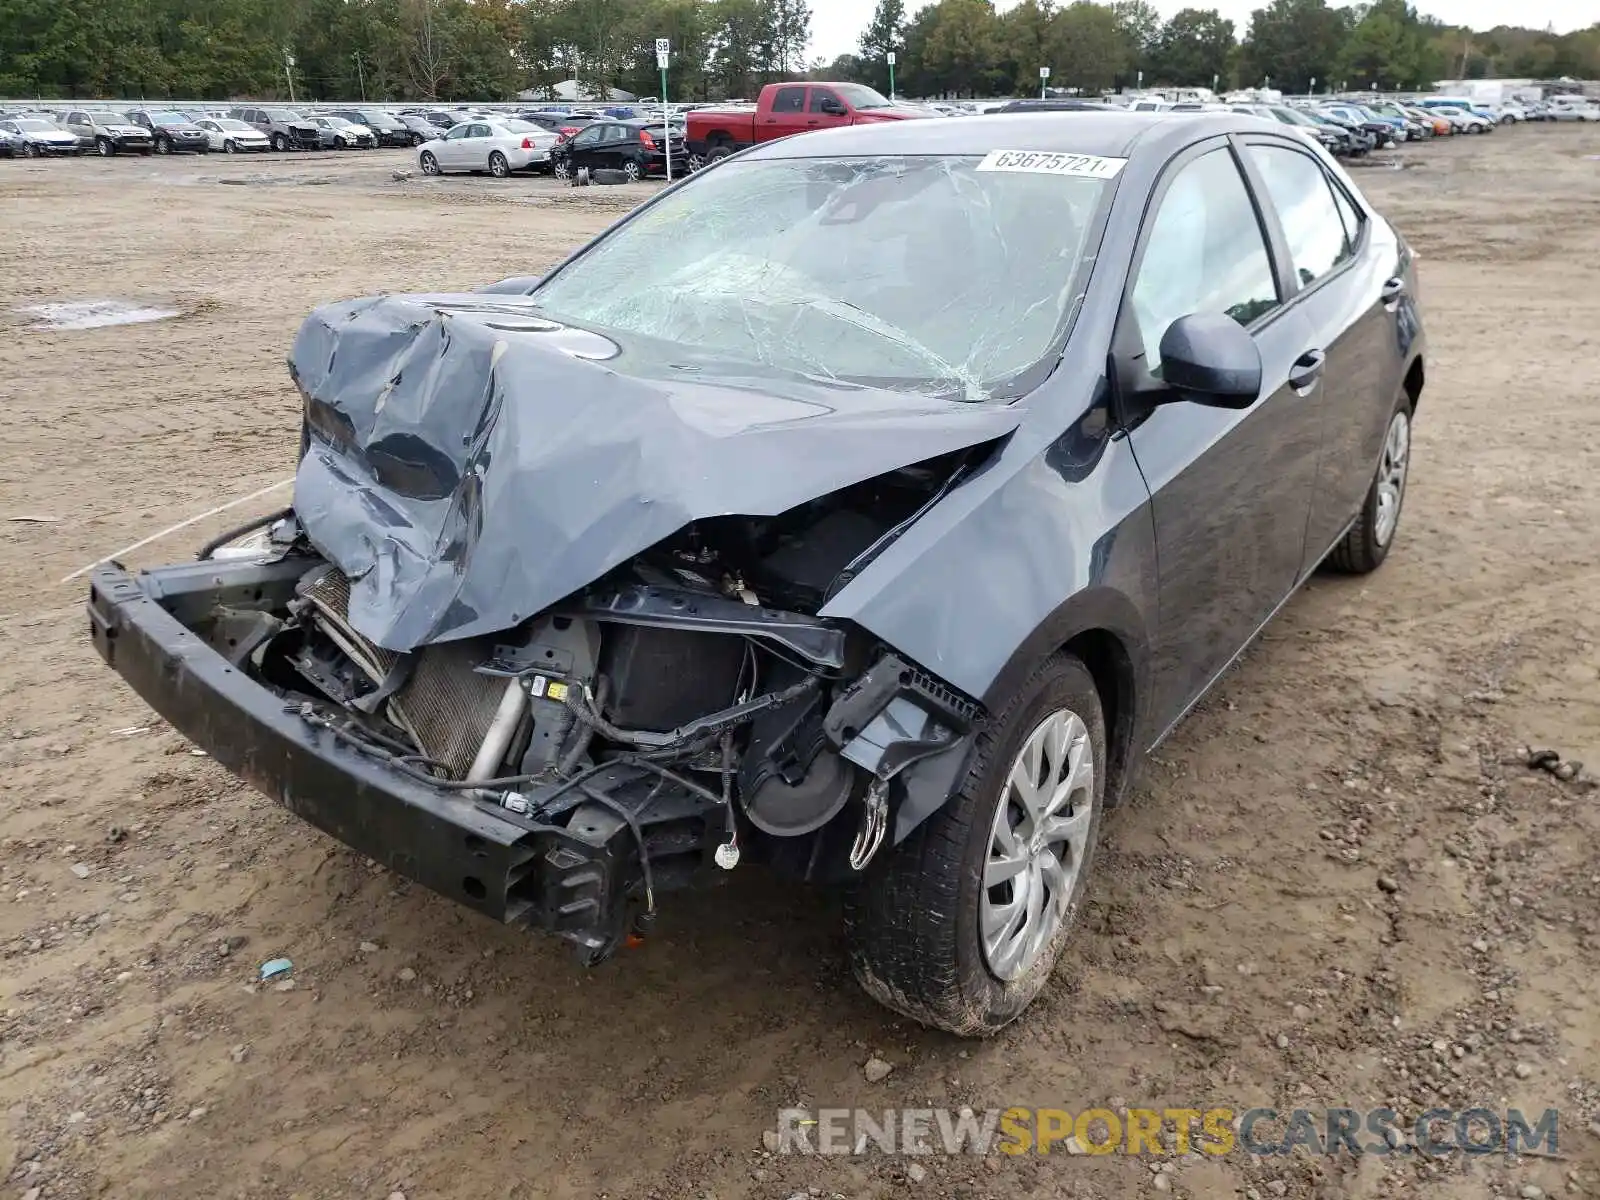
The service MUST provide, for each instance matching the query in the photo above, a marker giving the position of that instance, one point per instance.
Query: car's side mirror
(1208, 358)
(834, 108)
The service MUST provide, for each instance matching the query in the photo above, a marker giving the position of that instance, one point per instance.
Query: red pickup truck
(784, 109)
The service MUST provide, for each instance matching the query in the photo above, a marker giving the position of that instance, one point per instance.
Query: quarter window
(1316, 233)
(1205, 253)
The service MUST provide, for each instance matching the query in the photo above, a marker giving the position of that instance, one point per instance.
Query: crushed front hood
(470, 462)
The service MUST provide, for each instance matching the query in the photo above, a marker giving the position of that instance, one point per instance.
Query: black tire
(429, 164)
(416, 140)
(1360, 551)
(913, 922)
(561, 168)
(280, 143)
(633, 170)
(498, 166)
(717, 153)
(230, 146)
(163, 146)
(34, 151)
(105, 147)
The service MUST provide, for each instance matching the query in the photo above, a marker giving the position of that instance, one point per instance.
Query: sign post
(891, 74)
(1044, 79)
(663, 53)
(1313, 85)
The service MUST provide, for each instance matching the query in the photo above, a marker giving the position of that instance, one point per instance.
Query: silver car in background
(496, 146)
(106, 132)
(233, 136)
(41, 137)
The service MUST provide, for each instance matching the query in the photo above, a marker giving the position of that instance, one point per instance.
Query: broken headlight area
(685, 711)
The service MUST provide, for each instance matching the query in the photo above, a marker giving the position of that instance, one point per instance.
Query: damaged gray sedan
(866, 508)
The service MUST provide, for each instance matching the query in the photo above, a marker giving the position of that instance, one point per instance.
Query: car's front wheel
(561, 168)
(429, 164)
(104, 147)
(280, 143)
(960, 925)
(1363, 549)
(163, 146)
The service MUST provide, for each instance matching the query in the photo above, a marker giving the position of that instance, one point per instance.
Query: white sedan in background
(484, 144)
(233, 137)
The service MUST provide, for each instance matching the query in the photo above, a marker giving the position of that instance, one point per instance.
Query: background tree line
(491, 49)
(965, 48)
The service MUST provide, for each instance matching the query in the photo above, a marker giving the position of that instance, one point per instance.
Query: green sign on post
(663, 53)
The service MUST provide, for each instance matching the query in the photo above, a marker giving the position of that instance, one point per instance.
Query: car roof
(1113, 134)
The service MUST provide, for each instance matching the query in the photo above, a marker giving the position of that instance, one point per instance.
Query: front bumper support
(580, 879)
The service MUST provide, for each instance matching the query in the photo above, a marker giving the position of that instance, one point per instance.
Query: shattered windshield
(948, 276)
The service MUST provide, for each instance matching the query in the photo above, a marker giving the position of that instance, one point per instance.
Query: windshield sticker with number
(1048, 162)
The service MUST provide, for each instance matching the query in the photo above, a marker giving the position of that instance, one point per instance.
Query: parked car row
(243, 129)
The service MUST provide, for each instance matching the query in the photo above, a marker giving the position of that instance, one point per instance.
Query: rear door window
(1312, 225)
(789, 100)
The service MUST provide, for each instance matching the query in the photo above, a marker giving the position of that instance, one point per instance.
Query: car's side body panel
(1234, 492)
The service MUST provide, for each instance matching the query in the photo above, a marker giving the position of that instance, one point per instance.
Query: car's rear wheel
(104, 147)
(960, 926)
(1367, 544)
(633, 170)
(429, 164)
(498, 166)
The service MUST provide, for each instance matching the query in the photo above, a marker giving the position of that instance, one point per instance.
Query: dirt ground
(1338, 883)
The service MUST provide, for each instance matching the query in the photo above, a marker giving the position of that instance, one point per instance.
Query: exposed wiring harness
(696, 732)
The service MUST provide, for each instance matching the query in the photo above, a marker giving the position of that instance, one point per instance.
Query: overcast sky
(836, 25)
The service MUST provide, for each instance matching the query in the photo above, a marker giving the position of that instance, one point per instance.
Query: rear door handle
(1307, 370)
(1392, 290)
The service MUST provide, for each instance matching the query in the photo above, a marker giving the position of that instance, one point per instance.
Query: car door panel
(787, 114)
(1229, 492)
(1230, 489)
(817, 114)
(1341, 262)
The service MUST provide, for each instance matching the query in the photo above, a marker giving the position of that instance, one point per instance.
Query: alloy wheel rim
(497, 167)
(1392, 478)
(1037, 844)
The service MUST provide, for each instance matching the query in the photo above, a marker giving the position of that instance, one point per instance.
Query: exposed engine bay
(683, 712)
